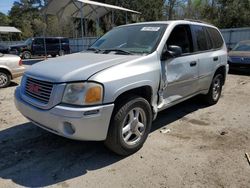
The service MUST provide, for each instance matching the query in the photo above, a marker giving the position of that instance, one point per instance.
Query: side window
(209, 40)
(52, 41)
(181, 36)
(201, 39)
(215, 37)
(38, 41)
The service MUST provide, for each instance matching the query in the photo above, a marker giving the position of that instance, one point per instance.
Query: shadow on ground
(240, 71)
(13, 84)
(32, 157)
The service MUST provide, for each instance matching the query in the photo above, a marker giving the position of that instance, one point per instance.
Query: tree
(4, 20)
(233, 13)
(25, 16)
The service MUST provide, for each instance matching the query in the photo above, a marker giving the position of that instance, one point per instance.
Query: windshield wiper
(117, 50)
(96, 50)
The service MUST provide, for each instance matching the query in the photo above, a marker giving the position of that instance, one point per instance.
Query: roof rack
(198, 21)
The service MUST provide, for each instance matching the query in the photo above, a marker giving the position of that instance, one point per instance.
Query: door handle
(193, 63)
(216, 58)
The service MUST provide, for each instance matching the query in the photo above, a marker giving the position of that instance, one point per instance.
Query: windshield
(28, 41)
(242, 47)
(142, 38)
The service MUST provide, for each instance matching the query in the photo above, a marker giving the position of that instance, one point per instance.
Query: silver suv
(114, 90)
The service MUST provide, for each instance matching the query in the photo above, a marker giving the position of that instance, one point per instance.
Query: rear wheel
(61, 53)
(214, 93)
(4, 79)
(130, 126)
(26, 55)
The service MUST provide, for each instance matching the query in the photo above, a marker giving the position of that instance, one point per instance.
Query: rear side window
(200, 38)
(215, 37)
(52, 41)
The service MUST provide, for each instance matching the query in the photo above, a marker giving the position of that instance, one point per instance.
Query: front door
(38, 46)
(180, 74)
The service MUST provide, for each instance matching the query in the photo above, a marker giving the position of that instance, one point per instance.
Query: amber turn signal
(93, 95)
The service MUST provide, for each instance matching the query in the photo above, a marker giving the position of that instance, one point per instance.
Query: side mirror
(172, 51)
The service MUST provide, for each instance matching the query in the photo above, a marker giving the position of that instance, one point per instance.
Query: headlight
(83, 93)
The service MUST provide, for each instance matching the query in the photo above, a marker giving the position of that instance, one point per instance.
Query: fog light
(68, 128)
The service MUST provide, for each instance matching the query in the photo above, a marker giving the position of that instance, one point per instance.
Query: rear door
(207, 54)
(53, 45)
(181, 73)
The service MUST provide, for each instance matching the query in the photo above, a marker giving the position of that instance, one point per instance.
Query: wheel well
(144, 91)
(221, 70)
(6, 71)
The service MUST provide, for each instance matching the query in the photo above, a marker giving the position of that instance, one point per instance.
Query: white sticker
(150, 29)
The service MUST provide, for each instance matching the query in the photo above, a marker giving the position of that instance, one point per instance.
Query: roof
(72, 8)
(168, 22)
(7, 29)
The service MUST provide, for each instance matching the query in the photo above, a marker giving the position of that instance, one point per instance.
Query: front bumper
(233, 64)
(88, 123)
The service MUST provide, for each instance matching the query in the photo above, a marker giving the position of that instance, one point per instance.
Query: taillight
(20, 62)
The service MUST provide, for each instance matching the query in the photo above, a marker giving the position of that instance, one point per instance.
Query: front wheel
(130, 126)
(214, 93)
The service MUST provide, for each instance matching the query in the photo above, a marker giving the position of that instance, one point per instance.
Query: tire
(26, 55)
(129, 127)
(53, 55)
(61, 53)
(4, 79)
(215, 89)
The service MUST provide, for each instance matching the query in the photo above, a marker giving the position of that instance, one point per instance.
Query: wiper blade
(94, 49)
(117, 50)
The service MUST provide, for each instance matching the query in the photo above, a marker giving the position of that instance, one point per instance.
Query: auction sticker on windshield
(150, 29)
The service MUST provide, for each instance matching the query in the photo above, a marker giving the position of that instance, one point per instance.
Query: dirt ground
(205, 148)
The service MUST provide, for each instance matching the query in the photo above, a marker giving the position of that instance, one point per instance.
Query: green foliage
(233, 13)
(4, 20)
(25, 16)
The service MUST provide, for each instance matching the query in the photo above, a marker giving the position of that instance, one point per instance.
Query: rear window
(64, 40)
(215, 37)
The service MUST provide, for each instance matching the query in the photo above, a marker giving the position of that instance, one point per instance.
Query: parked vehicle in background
(36, 47)
(239, 56)
(113, 91)
(4, 49)
(10, 68)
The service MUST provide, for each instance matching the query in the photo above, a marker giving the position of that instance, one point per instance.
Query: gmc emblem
(34, 88)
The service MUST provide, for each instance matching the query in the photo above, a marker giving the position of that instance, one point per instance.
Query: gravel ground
(205, 148)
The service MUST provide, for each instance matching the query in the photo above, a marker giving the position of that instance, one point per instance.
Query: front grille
(39, 90)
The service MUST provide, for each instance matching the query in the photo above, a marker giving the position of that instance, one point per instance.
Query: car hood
(75, 67)
(239, 54)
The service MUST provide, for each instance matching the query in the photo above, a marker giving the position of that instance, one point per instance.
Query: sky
(5, 5)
